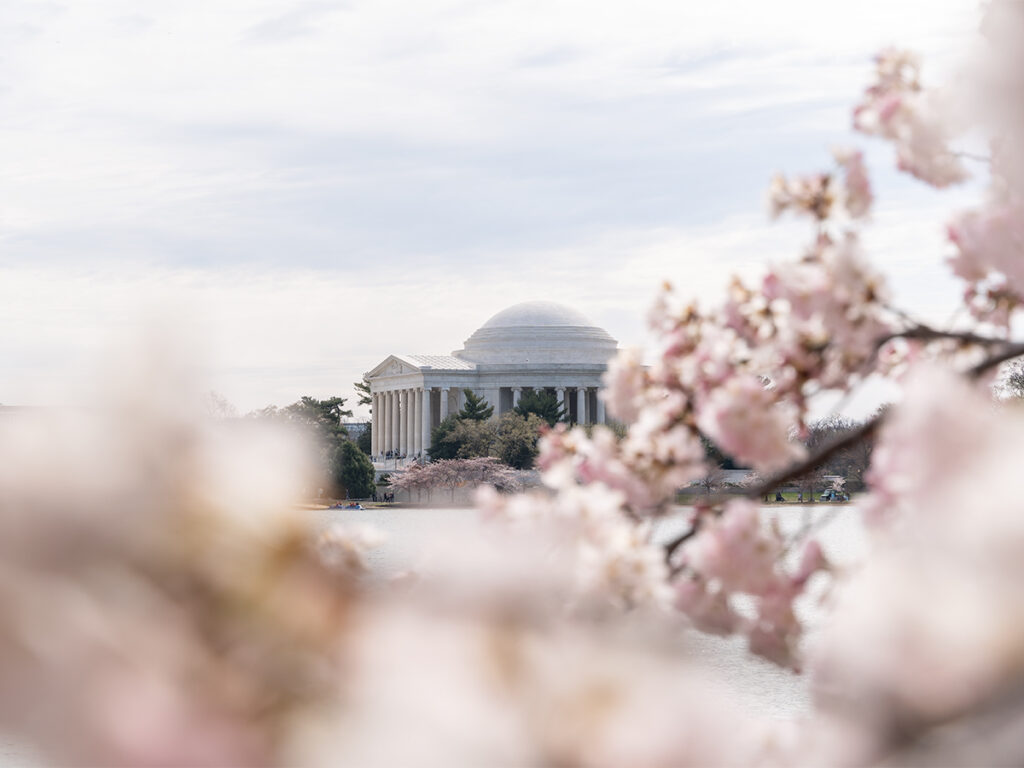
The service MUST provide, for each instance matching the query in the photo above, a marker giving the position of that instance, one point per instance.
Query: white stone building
(536, 345)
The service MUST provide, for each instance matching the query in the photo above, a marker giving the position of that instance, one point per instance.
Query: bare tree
(713, 481)
(1010, 384)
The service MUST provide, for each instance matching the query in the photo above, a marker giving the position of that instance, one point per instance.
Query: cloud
(299, 21)
(292, 171)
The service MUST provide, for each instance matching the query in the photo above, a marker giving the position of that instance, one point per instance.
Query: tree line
(344, 467)
(512, 438)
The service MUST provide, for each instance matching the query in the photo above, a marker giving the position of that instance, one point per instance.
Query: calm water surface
(761, 686)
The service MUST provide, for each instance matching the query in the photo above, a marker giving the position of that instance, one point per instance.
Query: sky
(306, 187)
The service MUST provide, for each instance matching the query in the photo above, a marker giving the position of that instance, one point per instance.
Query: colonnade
(585, 414)
(402, 421)
(403, 418)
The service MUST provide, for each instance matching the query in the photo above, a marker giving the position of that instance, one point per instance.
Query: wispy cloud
(287, 165)
(299, 21)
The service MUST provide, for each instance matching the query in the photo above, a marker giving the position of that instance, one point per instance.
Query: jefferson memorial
(536, 345)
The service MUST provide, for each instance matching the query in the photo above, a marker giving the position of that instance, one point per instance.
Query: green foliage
(476, 407)
(322, 416)
(542, 403)
(321, 419)
(517, 439)
(363, 393)
(441, 446)
(352, 471)
(365, 440)
(458, 438)
(474, 438)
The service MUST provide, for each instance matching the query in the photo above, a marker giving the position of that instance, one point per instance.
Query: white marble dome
(538, 332)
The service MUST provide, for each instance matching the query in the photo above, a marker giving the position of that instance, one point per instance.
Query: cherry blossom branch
(921, 332)
(869, 427)
(678, 541)
(1011, 351)
(865, 430)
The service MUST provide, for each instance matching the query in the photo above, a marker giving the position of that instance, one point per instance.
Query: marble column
(581, 405)
(444, 402)
(425, 425)
(409, 422)
(562, 405)
(403, 420)
(394, 420)
(600, 408)
(385, 433)
(417, 420)
(517, 392)
(374, 412)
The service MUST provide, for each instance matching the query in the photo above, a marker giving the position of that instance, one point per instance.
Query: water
(760, 686)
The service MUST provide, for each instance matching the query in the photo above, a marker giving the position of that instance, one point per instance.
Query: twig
(678, 541)
(865, 430)
(869, 427)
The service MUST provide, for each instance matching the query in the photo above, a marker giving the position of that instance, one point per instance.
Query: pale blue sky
(309, 186)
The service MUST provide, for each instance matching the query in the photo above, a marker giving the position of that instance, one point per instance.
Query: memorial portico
(532, 346)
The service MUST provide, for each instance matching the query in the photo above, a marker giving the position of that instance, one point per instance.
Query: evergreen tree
(476, 407)
(441, 447)
(542, 403)
(364, 440)
(352, 471)
(363, 393)
(323, 416)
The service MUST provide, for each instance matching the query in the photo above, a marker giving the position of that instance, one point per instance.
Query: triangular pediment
(393, 365)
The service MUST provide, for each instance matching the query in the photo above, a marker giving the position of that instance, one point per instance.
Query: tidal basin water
(762, 687)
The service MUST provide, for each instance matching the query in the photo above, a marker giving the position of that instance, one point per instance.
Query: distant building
(537, 345)
(355, 428)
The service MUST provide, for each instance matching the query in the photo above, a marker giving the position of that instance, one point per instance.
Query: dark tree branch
(813, 460)
(678, 541)
(1011, 351)
(921, 332)
(868, 428)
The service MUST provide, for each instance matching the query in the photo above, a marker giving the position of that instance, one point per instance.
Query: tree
(714, 480)
(1010, 384)
(365, 439)
(218, 407)
(462, 438)
(542, 403)
(441, 444)
(452, 474)
(363, 395)
(352, 471)
(321, 419)
(516, 443)
(322, 416)
(476, 407)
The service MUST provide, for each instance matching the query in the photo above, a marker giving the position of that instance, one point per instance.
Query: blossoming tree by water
(160, 608)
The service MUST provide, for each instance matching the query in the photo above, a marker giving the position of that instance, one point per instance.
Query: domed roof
(538, 314)
(539, 333)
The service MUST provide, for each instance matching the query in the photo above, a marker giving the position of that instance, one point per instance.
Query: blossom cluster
(735, 555)
(897, 107)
